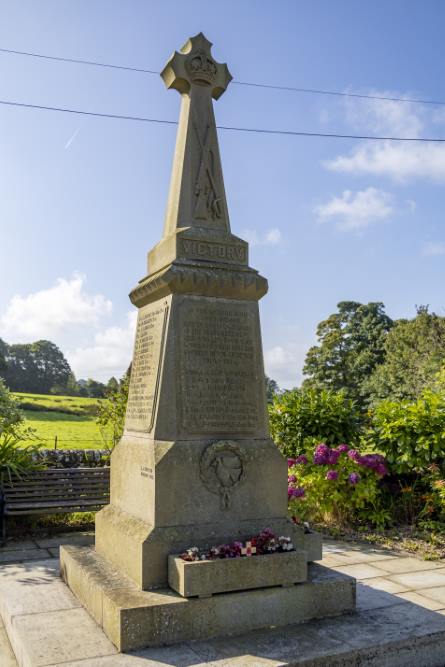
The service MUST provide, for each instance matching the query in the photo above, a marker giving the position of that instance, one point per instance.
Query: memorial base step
(133, 619)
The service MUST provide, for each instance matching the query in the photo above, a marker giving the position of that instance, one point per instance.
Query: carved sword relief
(208, 202)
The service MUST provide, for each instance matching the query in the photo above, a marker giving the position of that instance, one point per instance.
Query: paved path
(386, 580)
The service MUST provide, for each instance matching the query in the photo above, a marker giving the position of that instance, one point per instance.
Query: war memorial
(196, 466)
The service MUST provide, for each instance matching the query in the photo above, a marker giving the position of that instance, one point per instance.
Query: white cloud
(386, 116)
(284, 363)
(356, 210)
(48, 312)
(433, 249)
(396, 160)
(271, 237)
(400, 161)
(109, 354)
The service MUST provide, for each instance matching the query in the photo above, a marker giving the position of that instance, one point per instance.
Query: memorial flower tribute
(263, 543)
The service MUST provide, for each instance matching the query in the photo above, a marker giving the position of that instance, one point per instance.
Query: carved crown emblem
(195, 65)
(201, 68)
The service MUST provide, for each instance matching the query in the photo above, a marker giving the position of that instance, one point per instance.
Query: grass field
(71, 418)
(75, 405)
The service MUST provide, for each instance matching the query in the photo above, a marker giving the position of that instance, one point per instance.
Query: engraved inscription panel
(220, 368)
(144, 381)
(223, 252)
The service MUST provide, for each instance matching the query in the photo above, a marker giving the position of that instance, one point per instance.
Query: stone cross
(197, 196)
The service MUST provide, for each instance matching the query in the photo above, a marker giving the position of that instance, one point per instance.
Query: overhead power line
(143, 119)
(311, 91)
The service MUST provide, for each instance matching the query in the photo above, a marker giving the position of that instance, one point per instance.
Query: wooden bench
(53, 491)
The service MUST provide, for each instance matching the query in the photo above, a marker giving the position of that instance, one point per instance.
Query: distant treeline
(42, 368)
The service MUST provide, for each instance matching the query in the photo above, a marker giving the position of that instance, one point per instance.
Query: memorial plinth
(196, 465)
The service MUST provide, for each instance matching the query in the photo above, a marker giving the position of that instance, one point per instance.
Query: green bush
(10, 416)
(301, 417)
(411, 435)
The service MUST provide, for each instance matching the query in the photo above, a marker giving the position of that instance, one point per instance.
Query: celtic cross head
(194, 65)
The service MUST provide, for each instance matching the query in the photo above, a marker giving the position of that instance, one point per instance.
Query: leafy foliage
(10, 415)
(411, 434)
(302, 416)
(35, 367)
(15, 457)
(272, 388)
(414, 352)
(350, 346)
(112, 410)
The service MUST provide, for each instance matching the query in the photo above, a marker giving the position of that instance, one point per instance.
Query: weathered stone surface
(204, 578)
(398, 635)
(196, 465)
(46, 638)
(132, 618)
(141, 550)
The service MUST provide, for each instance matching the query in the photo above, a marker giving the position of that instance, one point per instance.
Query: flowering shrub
(334, 482)
(263, 543)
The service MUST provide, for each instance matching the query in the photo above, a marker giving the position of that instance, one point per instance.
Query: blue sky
(82, 199)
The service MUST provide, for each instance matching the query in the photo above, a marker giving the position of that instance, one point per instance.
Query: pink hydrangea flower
(354, 478)
(332, 475)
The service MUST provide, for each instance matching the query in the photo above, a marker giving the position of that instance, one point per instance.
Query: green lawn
(73, 432)
(69, 404)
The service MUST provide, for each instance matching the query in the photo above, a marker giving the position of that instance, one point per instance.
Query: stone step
(62, 634)
(134, 619)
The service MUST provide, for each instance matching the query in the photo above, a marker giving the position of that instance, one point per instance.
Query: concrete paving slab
(416, 597)
(18, 544)
(355, 556)
(179, 655)
(437, 593)
(45, 639)
(7, 657)
(415, 580)
(332, 561)
(361, 571)
(371, 598)
(383, 584)
(20, 555)
(33, 588)
(397, 636)
(404, 564)
(388, 631)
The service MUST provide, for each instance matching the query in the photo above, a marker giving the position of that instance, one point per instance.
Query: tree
(272, 388)
(414, 354)
(35, 367)
(95, 389)
(3, 354)
(351, 344)
(112, 385)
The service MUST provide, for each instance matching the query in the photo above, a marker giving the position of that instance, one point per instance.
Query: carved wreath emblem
(222, 467)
